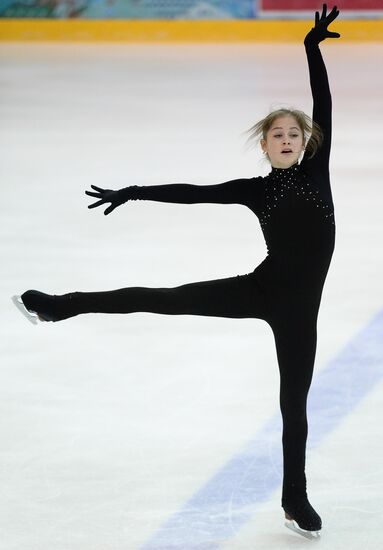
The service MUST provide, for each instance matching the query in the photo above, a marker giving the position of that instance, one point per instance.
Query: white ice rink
(154, 432)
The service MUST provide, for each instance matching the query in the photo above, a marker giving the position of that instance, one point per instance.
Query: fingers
(333, 35)
(333, 14)
(104, 196)
(109, 210)
(324, 11)
(99, 189)
(99, 194)
(90, 194)
(95, 204)
(328, 18)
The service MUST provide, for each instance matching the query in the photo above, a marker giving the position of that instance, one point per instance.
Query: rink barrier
(118, 30)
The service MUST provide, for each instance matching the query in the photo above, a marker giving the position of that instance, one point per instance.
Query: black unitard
(295, 210)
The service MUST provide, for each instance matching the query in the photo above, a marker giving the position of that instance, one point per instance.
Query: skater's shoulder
(248, 181)
(251, 180)
(258, 180)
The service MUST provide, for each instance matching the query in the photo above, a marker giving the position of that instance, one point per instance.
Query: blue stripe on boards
(218, 510)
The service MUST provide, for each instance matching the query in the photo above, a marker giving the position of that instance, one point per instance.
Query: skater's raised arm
(240, 191)
(320, 88)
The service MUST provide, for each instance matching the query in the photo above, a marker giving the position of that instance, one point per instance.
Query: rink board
(66, 30)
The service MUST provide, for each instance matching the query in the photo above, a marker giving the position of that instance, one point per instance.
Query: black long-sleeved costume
(295, 210)
(296, 214)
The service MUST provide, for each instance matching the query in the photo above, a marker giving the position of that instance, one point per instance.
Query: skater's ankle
(293, 492)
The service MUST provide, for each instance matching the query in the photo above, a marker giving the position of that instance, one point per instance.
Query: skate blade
(311, 535)
(30, 315)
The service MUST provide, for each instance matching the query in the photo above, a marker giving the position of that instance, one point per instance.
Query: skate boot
(301, 517)
(37, 306)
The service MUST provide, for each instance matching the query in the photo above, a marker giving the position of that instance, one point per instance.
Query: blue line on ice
(218, 510)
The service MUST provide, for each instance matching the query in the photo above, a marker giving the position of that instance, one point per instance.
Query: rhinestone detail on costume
(281, 181)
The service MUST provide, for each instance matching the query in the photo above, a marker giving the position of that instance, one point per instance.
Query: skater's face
(284, 142)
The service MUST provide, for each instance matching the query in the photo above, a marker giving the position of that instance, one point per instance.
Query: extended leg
(237, 297)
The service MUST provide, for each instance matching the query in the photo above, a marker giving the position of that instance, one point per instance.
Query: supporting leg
(296, 347)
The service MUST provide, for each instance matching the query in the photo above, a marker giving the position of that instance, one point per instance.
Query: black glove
(320, 32)
(116, 198)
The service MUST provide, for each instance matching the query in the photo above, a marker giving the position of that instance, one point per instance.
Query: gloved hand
(320, 32)
(116, 198)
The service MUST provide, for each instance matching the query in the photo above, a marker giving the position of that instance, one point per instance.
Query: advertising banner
(182, 9)
(130, 9)
(305, 8)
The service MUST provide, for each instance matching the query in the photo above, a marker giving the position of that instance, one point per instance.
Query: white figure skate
(293, 526)
(30, 315)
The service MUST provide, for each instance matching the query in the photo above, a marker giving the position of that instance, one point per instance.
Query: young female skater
(294, 206)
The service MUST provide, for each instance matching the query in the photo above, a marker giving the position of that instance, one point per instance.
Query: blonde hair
(312, 132)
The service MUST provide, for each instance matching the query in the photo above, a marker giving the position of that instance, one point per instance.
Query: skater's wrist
(128, 193)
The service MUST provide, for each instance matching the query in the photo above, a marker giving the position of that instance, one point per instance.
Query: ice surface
(110, 424)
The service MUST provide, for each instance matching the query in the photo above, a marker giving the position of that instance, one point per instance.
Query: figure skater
(295, 209)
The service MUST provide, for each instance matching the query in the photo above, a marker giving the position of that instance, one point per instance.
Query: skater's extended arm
(240, 191)
(320, 88)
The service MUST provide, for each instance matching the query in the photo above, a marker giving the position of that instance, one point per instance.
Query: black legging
(292, 319)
